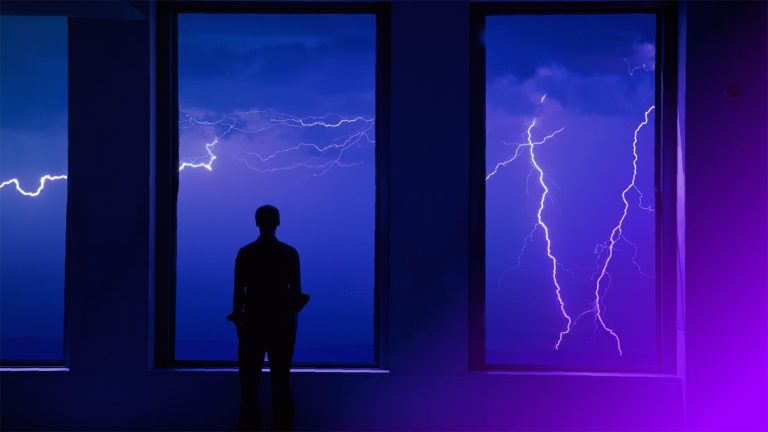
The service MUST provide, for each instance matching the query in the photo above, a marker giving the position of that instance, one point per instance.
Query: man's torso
(266, 268)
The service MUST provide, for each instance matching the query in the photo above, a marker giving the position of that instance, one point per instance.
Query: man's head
(267, 218)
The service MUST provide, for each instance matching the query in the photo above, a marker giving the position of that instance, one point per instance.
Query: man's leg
(250, 360)
(280, 357)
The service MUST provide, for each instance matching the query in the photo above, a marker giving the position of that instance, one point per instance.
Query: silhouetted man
(265, 273)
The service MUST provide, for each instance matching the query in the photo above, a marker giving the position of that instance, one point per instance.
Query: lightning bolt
(530, 144)
(363, 131)
(601, 276)
(206, 165)
(540, 222)
(364, 127)
(634, 257)
(616, 234)
(43, 180)
(339, 144)
(632, 69)
(519, 146)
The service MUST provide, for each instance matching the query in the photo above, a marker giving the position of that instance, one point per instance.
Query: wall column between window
(107, 216)
(428, 299)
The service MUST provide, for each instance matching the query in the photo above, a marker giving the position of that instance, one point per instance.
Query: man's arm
(295, 277)
(238, 296)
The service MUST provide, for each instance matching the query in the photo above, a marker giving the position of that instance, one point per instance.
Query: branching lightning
(616, 234)
(357, 129)
(269, 162)
(530, 144)
(519, 146)
(540, 222)
(601, 276)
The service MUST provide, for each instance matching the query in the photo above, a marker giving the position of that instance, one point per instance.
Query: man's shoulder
(287, 248)
(249, 247)
(255, 245)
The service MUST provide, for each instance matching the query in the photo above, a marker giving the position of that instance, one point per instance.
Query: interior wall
(110, 383)
(725, 162)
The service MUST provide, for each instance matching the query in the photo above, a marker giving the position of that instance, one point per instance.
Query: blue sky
(289, 102)
(33, 142)
(287, 105)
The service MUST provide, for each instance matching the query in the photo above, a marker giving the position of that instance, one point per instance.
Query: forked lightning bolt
(616, 234)
(519, 146)
(530, 145)
(602, 275)
(541, 223)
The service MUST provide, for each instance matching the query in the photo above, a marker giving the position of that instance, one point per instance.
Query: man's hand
(237, 319)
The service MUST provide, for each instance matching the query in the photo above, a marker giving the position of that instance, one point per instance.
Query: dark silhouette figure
(267, 284)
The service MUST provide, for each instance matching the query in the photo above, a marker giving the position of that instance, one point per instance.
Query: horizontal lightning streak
(211, 158)
(299, 122)
(276, 119)
(280, 119)
(43, 180)
(632, 69)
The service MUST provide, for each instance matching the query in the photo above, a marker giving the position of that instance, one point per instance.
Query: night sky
(289, 102)
(33, 142)
(286, 103)
(591, 70)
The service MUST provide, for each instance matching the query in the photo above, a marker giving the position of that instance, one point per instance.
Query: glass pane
(277, 109)
(33, 195)
(570, 218)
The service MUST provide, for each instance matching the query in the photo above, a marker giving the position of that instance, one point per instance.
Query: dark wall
(110, 383)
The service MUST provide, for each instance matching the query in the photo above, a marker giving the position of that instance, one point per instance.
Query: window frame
(665, 175)
(165, 185)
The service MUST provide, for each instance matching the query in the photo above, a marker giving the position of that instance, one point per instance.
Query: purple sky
(575, 73)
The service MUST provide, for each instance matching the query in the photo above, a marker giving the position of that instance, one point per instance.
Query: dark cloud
(591, 44)
(590, 64)
(231, 62)
(33, 66)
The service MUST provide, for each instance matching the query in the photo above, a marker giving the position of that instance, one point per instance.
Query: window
(33, 190)
(571, 209)
(277, 109)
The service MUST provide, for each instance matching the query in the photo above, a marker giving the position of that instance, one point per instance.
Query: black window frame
(166, 182)
(665, 174)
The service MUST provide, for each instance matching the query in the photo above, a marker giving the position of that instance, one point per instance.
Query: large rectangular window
(277, 109)
(570, 245)
(33, 190)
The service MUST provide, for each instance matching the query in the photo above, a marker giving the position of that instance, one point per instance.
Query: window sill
(22, 369)
(300, 370)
